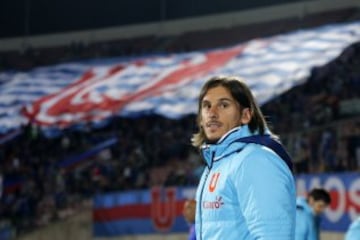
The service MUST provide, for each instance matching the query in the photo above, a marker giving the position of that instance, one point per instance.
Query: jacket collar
(226, 145)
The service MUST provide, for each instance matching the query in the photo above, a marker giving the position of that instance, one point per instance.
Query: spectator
(308, 213)
(189, 215)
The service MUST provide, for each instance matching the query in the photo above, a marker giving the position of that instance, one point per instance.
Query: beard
(211, 141)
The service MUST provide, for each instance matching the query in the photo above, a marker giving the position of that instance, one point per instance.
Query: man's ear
(246, 115)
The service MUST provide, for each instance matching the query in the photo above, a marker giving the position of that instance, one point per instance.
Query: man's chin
(212, 141)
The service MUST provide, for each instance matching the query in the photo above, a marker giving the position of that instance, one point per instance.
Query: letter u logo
(163, 208)
(213, 182)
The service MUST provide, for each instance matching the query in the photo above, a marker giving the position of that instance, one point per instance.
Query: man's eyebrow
(225, 99)
(220, 99)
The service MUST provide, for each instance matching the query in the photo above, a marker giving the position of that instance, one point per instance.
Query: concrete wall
(332, 236)
(77, 227)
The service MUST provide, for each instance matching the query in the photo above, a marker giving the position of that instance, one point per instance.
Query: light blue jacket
(306, 228)
(246, 192)
(353, 233)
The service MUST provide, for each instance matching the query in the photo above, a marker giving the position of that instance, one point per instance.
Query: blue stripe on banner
(134, 227)
(136, 197)
(121, 199)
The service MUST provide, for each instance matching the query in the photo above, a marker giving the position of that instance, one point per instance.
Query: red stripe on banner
(36, 106)
(130, 211)
(60, 103)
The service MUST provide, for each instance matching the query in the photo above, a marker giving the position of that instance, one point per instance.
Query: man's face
(219, 113)
(318, 206)
(189, 210)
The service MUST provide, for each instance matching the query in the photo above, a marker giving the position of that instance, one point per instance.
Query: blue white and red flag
(78, 93)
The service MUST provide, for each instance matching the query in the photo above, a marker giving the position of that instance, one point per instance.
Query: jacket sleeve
(265, 191)
(353, 233)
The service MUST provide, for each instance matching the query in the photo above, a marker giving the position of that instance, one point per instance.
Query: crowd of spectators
(317, 121)
(155, 152)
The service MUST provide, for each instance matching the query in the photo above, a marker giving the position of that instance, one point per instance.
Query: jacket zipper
(201, 194)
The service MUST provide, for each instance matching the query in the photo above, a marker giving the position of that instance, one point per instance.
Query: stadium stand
(321, 128)
(327, 132)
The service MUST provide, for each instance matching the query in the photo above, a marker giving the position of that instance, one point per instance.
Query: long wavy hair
(242, 94)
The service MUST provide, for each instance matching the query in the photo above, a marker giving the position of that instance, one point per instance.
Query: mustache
(208, 124)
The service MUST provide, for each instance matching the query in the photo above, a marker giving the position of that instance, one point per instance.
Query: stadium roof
(34, 17)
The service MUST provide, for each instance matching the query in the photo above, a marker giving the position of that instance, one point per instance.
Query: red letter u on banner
(163, 212)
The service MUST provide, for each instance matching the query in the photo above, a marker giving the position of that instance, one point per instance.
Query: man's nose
(213, 113)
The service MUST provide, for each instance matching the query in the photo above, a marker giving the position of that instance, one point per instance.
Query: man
(353, 233)
(308, 211)
(247, 189)
(189, 215)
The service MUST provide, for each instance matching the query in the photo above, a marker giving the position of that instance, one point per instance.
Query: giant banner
(159, 210)
(345, 197)
(78, 93)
